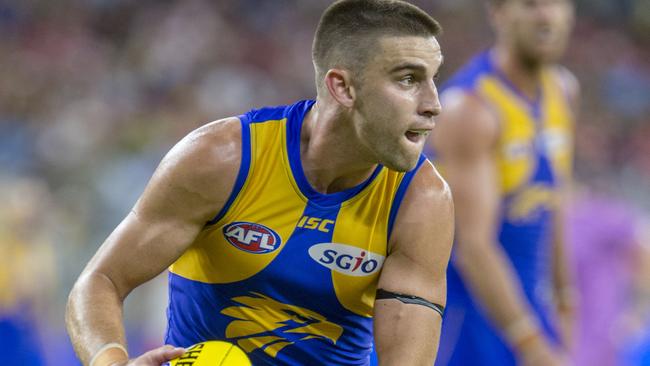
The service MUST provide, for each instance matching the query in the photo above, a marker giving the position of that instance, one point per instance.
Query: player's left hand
(156, 357)
(565, 309)
(566, 323)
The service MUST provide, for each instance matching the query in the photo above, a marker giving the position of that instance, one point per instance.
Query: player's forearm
(565, 295)
(94, 315)
(406, 334)
(563, 285)
(561, 276)
(563, 282)
(493, 282)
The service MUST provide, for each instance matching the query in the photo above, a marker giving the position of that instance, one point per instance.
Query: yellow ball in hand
(212, 353)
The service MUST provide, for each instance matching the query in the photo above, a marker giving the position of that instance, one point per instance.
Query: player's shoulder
(207, 159)
(467, 121)
(567, 81)
(428, 186)
(427, 209)
(215, 143)
(463, 104)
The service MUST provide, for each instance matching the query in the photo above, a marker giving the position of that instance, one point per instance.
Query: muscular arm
(191, 184)
(408, 334)
(465, 139)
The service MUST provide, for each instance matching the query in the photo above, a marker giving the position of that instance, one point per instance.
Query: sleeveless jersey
(283, 271)
(533, 156)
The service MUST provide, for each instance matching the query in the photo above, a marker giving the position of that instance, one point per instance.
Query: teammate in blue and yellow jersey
(504, 143)
(299, 233)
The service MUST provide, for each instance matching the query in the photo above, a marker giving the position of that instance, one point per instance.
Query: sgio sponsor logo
(251, 237)
(346, 259)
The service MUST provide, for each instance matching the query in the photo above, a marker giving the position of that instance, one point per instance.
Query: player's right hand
(540, 352)
(155, 357)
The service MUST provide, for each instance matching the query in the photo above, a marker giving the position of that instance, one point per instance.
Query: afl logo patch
(251, 237)
(346, 259)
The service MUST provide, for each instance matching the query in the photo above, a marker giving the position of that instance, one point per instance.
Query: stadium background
(94, 92)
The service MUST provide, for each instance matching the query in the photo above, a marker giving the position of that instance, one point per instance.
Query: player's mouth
(417, 135)
(545, 35)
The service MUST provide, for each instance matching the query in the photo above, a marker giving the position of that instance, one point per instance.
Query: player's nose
(429, 105)
(545, 13)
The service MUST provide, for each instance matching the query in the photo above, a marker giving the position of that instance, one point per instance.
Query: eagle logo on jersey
(265, 323)
(527, 205)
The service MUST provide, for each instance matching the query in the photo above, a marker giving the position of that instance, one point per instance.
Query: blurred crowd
(94, 92)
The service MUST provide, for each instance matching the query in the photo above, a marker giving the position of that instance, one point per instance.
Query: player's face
(538, 29)
(397, 99)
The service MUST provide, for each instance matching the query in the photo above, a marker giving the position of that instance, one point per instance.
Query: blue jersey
(283, 271)
(533, 156)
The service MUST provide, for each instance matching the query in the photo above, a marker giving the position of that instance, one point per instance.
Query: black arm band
(409, 299)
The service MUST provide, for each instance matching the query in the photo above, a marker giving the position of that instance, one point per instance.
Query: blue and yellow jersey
(283, 271)
(533, 155)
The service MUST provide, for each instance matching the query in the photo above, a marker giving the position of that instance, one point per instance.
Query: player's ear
(339, 85)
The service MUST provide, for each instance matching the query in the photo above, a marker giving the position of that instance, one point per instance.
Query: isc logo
(346, 259)
(317, 223)
(251, 237)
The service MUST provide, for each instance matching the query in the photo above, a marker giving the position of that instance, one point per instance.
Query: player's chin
(403, 161)
(548, 53)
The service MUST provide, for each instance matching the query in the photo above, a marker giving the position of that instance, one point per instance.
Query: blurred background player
(504, 142)
(27, 274)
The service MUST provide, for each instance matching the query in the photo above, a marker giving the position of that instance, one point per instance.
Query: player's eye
(407, 80)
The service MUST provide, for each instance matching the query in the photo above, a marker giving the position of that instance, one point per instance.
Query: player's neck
(523, 74)
(330, 161)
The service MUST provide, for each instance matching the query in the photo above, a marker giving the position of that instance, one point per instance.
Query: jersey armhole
(399, 195)
(243, 168)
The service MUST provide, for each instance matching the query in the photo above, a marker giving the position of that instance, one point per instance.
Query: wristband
(521, 331)
(109, 354)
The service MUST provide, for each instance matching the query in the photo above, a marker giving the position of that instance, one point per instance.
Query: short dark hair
(348, 29)
(501, 2)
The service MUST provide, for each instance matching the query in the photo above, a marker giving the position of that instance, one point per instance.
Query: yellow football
(212, 353)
